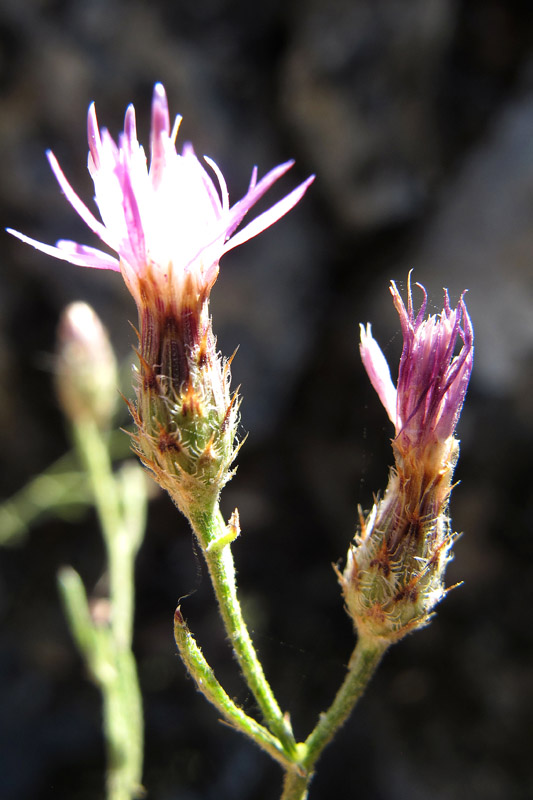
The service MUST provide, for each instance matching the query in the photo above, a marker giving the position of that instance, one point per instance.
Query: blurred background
(417, 118)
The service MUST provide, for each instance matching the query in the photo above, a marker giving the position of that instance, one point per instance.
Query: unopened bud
(86, 370)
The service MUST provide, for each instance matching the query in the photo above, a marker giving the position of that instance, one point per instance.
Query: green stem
(295, 785)
(113, 671)
(363, 663)
(121, 506)
(207, 683)
(118, 541)
(60, 490)
(123, 729)
(211, 529)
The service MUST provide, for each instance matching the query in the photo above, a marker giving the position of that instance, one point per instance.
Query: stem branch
(210, 528)
(209, 686)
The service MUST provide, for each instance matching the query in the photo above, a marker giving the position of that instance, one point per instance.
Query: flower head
(168, 225)
(432, 377)
(394, 574)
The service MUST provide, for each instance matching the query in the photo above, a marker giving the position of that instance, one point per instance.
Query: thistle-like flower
(169, 225)
(394, 574)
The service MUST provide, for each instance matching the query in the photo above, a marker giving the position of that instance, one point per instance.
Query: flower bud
(86, 370)
(394, 574)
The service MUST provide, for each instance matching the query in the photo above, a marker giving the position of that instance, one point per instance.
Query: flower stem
(363, 663)
(106, 646)
(295, 785)
(123, 729)
(210, 529)
(209, 686)
(121, 541)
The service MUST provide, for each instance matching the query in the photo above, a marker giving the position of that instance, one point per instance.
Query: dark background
(417, 118)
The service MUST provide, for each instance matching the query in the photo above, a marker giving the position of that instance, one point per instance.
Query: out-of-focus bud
(394, 574)
(86, 369)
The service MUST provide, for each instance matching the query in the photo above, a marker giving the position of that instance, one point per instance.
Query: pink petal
(378, 371)
(221, 182)
(78, 205)
(93, 136)
(241, 208)
(253, 179)
(130, 130)
(73, 252)
(85, 256)
(159, 132)
(268, 218)
(198, 176)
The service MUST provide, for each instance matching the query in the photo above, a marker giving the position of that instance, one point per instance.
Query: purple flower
(169, 225)
(432, 377)
(394, 575)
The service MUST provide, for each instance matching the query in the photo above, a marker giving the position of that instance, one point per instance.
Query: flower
(394, 573)
(170, 224)
(432, 379)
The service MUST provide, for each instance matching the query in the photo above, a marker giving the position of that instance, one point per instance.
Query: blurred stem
(295, 786)
(61, 489)
(123, 725)
(122, 541)
(121, 506)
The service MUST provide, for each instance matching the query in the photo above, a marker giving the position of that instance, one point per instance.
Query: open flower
(170, 224)
(394, 574)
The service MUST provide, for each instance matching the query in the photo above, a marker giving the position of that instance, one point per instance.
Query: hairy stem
(207, 683)
(210, 529)
(363, 663)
